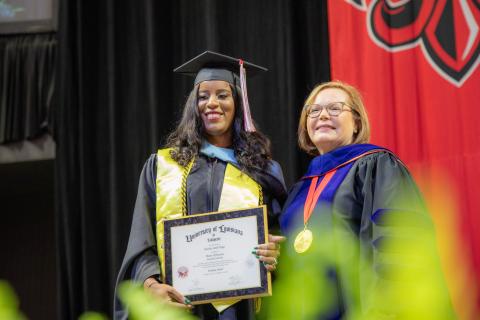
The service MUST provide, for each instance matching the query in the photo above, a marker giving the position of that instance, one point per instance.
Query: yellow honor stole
(239, 191)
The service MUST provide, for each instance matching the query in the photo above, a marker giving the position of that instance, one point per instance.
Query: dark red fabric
(416, 64)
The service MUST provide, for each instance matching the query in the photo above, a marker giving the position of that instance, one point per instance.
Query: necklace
(304, 238)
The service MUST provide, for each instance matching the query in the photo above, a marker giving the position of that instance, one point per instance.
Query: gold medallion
(303, 241)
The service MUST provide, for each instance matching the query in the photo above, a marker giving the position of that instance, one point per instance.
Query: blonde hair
(355, 102)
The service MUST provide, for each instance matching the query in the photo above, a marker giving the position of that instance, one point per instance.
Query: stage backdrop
(416, 63)
(117, 98)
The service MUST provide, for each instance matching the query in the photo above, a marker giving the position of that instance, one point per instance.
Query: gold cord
(186, 172)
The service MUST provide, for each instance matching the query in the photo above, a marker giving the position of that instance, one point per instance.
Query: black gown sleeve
(381, 204)
(140, 259)
(274, 193)
(146, 265)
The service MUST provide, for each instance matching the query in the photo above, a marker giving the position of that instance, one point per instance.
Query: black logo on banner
(448, 31)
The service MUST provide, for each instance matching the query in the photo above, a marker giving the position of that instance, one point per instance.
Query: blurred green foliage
(142, 305)
(89, 315)
(396, 276)
(9, 306)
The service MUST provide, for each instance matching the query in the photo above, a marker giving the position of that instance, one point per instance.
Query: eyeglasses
(333, 109)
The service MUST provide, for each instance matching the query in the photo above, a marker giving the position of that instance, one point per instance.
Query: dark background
(103, 86)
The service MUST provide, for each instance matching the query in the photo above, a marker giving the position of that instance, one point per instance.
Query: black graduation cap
(215, 66)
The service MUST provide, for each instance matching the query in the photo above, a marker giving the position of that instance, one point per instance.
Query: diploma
(208, 257)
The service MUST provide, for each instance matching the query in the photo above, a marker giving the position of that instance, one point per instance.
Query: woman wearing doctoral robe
(215, 141)
(358, 190)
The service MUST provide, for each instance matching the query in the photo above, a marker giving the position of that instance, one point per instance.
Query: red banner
(416, 63)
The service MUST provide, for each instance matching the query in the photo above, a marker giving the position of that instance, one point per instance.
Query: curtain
(27, 82)
(416, 63)
(117, 99)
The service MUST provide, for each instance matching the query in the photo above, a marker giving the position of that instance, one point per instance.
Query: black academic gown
(204, 185)
(376, 186)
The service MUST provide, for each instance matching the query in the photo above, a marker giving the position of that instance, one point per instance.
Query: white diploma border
(265, 287)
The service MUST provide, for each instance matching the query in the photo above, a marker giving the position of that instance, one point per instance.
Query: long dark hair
(252, 149)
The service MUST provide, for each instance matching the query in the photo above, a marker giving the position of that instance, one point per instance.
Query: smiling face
(217, 110)
(330, 132)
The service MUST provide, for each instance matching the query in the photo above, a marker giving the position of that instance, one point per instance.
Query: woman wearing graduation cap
(214, 142)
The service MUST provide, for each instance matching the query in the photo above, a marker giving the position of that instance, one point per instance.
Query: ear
(357, 126)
